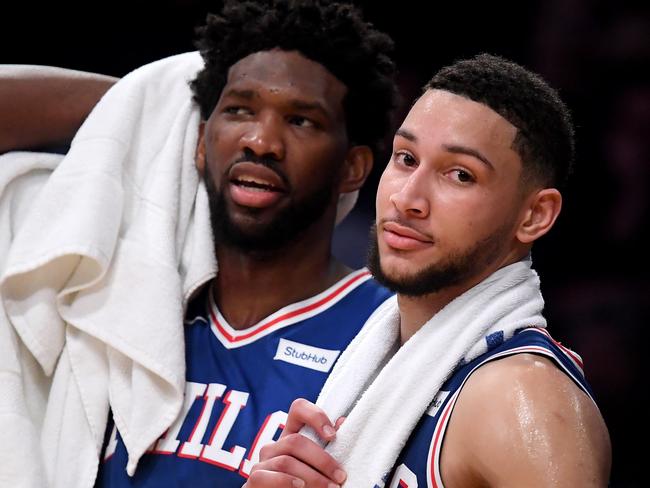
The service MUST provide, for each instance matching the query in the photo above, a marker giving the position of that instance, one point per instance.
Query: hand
(296, 461)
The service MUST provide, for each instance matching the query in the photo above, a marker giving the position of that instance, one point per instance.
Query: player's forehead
(444, 119)
(286, 73)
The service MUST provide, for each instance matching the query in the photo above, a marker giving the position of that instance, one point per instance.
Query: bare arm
(520, 421)
(44, 105)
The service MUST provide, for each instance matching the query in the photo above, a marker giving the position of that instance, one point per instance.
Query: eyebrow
(309, 106)
(452, 148)
(406, 135)
(456, 149)
(296, 104)
(245, 94)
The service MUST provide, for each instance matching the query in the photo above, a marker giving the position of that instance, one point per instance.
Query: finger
(303, 412)
(297, 470)
(272, 479)
(339, 422)
(307, 452)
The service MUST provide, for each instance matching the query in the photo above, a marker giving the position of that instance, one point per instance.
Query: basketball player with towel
(456, 382)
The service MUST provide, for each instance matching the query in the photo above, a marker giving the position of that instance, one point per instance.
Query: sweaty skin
(543, 431)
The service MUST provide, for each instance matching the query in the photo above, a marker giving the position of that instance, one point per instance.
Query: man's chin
(413, 282)
(402, 283)
(246, 237)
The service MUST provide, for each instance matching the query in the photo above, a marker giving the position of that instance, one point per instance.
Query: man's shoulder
(508, 378)
(522, 409)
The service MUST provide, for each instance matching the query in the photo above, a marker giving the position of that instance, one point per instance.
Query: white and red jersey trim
(434, 477)
(232, 338)
(572, 355)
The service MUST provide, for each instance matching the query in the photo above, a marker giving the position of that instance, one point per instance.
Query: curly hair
(545, 135)
(331, 34)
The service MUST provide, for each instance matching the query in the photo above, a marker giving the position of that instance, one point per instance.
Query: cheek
(314, 161)
(476, 221)
(223, 137)
(463, 214)
(221, 151)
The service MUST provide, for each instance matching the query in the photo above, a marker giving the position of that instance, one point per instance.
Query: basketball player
(473, 181)
(295, 98)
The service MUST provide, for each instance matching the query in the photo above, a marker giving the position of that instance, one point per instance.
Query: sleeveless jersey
(418, 463)
(240, 384)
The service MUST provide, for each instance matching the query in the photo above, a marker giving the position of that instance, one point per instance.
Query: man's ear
(199, 157)
(539, 215)
(357, 167)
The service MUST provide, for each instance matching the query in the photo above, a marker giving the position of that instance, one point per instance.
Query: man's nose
(411, 199)
(264, 138)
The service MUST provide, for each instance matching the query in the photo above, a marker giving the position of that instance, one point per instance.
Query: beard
(265, 237)
(456, 268)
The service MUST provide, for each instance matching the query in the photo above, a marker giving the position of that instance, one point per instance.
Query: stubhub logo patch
(306, 356)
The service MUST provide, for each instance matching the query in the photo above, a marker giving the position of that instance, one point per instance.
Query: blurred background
(594, 266)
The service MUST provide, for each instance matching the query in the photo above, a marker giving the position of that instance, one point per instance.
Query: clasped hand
(295, 461)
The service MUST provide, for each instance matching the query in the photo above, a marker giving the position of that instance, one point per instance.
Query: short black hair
(331, 34)
(545, 135)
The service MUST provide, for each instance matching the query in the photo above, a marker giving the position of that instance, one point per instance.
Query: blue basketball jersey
(418, 463)
(240, 384)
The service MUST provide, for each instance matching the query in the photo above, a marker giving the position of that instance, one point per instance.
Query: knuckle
(254, 479)
(294, 441)
(298, 404)
(283, 463)
(266, 452)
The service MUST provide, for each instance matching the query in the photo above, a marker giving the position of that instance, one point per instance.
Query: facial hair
(456, 268)
(263, 238)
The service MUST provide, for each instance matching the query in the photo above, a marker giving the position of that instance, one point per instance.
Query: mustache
(268, 161)
(404, 223)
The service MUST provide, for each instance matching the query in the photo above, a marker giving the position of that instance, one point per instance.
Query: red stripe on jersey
(573, 355)
(441, 427)
(288, 315)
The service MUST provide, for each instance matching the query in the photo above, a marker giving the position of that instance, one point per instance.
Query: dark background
(594, 265)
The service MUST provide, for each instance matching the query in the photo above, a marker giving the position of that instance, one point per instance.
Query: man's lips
(256, 175)
(404, 238)
(255, 185)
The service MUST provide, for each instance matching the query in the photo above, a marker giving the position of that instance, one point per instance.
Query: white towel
(384, 389)
(22, 382)
(95, 280)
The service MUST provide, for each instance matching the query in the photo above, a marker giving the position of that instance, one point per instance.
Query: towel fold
(22, 382)
(96, 277)
(384, 389)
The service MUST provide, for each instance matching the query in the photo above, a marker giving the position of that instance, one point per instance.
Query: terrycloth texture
(95, 281)
(23, 385)
(384, 390)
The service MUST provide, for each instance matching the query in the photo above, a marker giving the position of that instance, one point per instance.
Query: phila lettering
(213, 451)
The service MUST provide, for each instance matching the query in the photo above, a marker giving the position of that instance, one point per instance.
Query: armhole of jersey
(434, 477)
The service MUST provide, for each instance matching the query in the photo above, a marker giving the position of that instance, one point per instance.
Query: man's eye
(404, 158)
(462, 176)
(236, 110)
(301, 121)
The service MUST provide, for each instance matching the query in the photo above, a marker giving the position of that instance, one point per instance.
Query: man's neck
(249, 288)
(416, 311)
